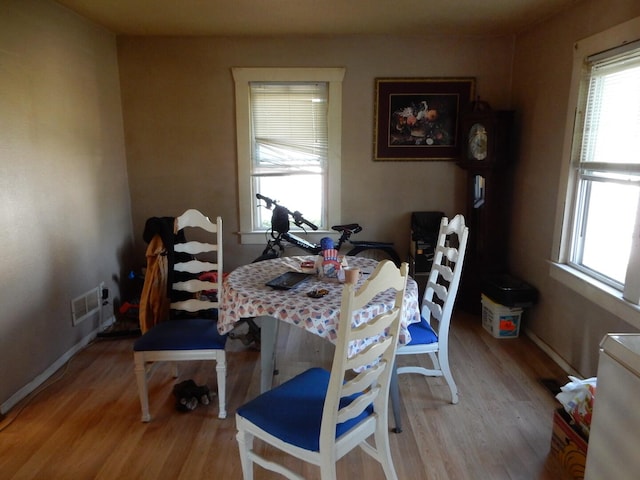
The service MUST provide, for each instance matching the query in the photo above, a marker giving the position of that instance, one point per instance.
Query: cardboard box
(500, 321)
(568, 445)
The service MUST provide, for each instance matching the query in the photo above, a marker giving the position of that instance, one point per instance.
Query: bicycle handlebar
(298, 219)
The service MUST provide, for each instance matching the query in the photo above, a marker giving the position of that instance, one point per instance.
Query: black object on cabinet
(486, 153)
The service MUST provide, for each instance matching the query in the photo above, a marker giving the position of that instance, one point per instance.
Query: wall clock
(486, 135)
(477, 142)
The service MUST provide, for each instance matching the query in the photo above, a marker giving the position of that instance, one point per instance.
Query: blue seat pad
(293, 410)
(186, 334)
(422, 333)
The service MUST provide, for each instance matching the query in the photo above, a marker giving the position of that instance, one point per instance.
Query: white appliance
(614, 440)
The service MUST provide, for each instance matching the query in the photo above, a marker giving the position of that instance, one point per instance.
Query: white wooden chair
(319, 416)
(428, 337)
(190, 337)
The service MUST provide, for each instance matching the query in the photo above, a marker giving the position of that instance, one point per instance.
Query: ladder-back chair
(319, 416)
(189, 336)
(429, 336)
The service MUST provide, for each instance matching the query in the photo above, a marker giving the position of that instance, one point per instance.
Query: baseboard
(53, 368)
(554, 356)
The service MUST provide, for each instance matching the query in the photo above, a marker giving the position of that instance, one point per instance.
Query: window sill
(260, 238)
(604, 296)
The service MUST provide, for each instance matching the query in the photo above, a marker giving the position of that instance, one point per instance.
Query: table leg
(268, 337)
(394, 394)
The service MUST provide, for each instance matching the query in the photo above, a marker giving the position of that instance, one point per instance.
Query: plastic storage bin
(499, 320)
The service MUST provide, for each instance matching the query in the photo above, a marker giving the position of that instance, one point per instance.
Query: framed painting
(418, 118)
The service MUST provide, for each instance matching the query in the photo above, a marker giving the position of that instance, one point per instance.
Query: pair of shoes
(189, 395)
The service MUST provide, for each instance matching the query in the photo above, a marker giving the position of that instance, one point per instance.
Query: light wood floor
(86, 424)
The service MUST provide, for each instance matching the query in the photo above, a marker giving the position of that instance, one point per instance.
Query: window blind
(289, 127)
(612, 116)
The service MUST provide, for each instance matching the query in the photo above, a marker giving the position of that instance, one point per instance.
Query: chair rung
(273, 467)
(427, 372)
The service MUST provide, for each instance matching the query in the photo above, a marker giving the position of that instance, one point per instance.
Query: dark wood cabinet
(486, 155)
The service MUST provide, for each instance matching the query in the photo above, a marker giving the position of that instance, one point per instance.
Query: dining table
(246, 296)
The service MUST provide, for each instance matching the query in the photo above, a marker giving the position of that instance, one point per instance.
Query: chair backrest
(372, 364)
(200, 275)
(444, 278)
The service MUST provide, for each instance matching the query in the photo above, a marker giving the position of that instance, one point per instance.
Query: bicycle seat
(349, 228)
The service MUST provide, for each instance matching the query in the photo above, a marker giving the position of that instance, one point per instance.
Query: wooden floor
(86, 424)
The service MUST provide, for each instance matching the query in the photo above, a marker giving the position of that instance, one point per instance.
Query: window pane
(296, 192)
(610, 217)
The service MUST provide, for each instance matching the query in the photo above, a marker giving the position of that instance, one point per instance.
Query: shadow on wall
(128, 286)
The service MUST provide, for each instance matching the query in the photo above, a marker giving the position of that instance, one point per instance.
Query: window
(289, 146)
(289, 136)
(607, 166)
(599, 239)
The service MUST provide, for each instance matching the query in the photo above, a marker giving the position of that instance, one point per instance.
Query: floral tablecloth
(245, 295)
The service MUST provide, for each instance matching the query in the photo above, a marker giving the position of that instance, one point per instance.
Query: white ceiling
(316, 17)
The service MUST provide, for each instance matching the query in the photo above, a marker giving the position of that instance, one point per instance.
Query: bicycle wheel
(375, 250)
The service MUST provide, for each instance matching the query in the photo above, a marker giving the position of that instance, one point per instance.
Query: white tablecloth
(245, 295)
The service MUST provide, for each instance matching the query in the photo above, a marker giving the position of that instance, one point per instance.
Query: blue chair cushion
(293, 410)
(422, 333)
(188, 334)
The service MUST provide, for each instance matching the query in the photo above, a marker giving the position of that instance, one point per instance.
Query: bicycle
(281, 219)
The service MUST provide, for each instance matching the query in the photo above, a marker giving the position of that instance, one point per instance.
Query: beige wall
(569, 323)
(178, 103)
(64, 196)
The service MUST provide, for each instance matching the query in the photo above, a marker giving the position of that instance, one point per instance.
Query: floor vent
(85, 305)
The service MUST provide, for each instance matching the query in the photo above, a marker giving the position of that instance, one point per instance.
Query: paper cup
(351, 275)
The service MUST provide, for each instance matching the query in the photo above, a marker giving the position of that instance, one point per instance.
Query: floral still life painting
(417, 119)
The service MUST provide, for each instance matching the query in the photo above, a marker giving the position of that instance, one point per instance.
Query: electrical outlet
(104, 294)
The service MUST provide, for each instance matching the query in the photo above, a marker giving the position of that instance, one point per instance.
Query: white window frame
(242, 78)
(607, 297)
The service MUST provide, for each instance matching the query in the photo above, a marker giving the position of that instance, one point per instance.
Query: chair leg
(328, 469)
(384, 452)
(221, 372)
(434, 359)
(245, 444)
(443, 358)
(394, 394)
(141, 380)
